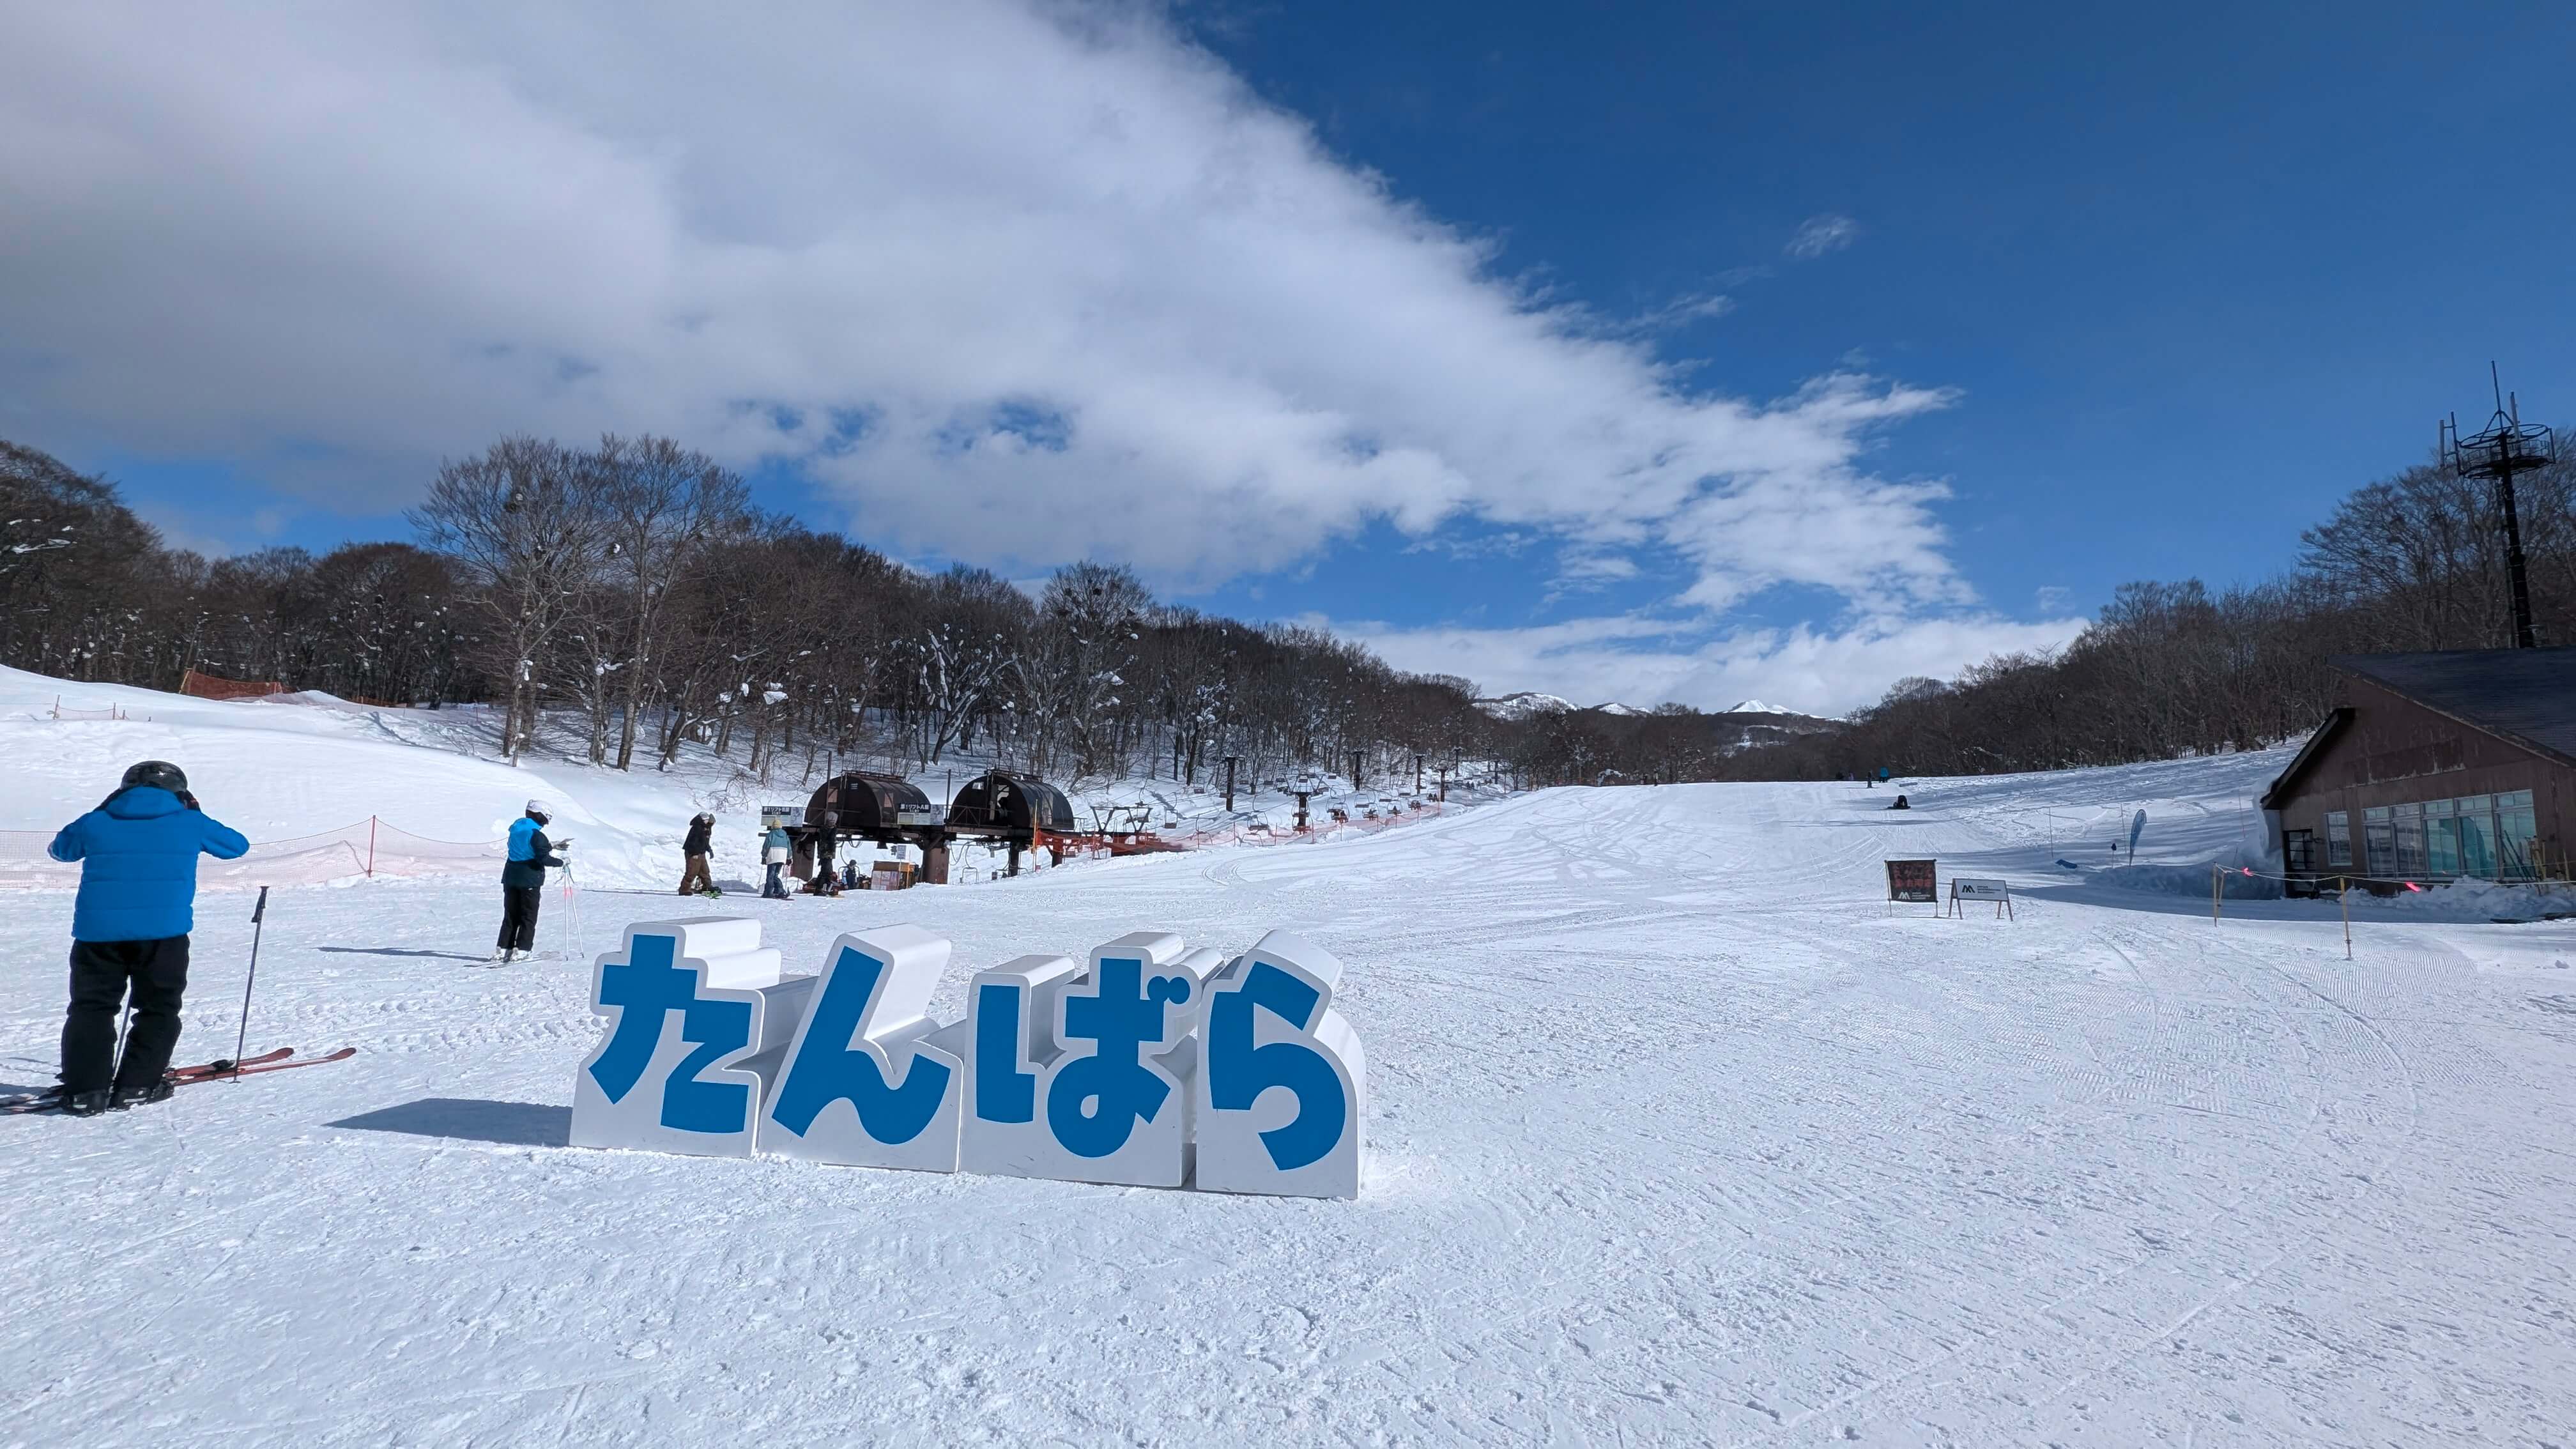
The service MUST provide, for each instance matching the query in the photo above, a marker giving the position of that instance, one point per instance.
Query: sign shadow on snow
(511, 1124)
(395, 951)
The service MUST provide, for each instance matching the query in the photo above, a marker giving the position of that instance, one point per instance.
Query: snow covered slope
(282, 769)
(1679, 1133)
(321, 786)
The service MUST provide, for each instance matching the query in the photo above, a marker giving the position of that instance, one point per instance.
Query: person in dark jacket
(697, 878)
(523, 883)
(138, 892)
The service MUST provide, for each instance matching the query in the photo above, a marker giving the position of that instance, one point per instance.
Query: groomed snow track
(1679, 1134)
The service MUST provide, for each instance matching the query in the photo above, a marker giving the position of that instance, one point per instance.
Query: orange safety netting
(368, 850)
(213, 686)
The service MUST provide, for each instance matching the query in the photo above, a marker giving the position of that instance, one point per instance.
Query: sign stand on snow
(1970, 888)
(1916, 881)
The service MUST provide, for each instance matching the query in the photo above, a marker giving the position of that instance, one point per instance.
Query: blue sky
(1636, 351)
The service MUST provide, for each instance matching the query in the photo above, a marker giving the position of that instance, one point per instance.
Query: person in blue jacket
(523, 882)
(138, 893)
(774, 853)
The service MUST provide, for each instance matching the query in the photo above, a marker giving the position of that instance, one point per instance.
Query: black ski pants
(519, 917)
(155, 973)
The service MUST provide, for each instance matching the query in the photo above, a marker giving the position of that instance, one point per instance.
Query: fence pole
(371, 847)
(2343, 897)
(2217, 880)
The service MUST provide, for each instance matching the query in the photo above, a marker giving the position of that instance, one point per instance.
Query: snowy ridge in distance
(1523, 704)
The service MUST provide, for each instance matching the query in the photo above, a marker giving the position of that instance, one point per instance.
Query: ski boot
(125, 1097)
(84, 1104)
(502, 957)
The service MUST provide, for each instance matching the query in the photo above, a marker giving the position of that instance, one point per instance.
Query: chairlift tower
(2508, 447)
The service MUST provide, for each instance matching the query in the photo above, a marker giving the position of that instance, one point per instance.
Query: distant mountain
(1524, 704)
(1755, 706)
(1615, 707)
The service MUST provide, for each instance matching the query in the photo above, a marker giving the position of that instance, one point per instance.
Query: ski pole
(258, 914)
(580, 938)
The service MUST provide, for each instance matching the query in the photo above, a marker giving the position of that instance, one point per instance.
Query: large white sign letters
(1154, 1065)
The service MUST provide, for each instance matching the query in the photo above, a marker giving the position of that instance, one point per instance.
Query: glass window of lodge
(2477, 835)
(2410, 838)
(2514, 830)
(2338, 838)
(2441, 837)
(2379, 839)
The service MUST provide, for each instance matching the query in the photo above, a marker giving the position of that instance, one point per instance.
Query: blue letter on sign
(1003, 1092)
(826, 1070)
(1268, 1024)
(1097, 1100)
(646, 989)
(1238, 1072)
(870, 1043)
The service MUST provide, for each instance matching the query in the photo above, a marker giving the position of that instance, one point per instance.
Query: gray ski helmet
(159, 774)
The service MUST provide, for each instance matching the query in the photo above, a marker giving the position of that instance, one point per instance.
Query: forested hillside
(2412, 562)
(635, 586)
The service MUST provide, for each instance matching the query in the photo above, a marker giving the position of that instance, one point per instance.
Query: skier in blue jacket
(523, 882)
(138, 856)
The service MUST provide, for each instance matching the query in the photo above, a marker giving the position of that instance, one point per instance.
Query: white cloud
(1818, 235)
(1683, 311)
(1030, 281)
(1642, 661)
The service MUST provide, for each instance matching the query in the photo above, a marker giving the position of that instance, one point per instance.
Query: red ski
(214, 1071)
(256, 1065)
(208, 1069)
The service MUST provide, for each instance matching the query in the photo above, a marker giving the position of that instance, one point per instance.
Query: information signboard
(1971, 888)
(1914, 880)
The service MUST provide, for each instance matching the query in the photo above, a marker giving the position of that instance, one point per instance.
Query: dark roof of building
(2335, 720)
(2525, 697)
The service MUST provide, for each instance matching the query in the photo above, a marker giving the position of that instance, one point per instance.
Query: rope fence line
(2344, 882)
(369, 849)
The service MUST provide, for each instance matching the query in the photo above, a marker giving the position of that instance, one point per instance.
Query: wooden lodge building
(2435, 766)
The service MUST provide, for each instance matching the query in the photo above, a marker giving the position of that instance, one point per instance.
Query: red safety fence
(213, 686)
(368, 850)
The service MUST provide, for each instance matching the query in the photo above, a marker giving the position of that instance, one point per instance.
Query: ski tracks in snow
(1678, 1134)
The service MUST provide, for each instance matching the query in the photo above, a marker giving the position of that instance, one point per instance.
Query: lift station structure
(1015, 811)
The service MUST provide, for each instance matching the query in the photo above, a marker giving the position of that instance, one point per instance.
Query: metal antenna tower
(2508, 446)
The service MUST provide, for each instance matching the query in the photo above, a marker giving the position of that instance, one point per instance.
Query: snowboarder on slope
(523, 883)
(138, 856)
(697, 879)
(774, 852)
